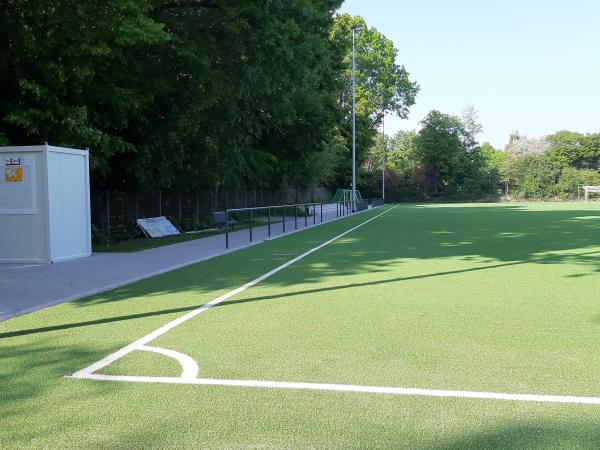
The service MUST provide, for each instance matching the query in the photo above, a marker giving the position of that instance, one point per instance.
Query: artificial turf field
(480, 298)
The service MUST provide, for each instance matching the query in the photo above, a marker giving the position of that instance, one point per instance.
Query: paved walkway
(28, 287)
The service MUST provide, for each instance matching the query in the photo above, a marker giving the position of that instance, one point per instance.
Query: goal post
(345, 196)
(590, 190)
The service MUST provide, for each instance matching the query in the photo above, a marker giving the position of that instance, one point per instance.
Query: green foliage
(442, 157)
(444, 161)
(196, 94)
(76, 74)
(177, 94)
(567, 162)
(99, 237)
(382, 87)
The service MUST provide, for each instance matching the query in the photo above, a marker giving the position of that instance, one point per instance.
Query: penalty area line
(140, 343)
(350, 388)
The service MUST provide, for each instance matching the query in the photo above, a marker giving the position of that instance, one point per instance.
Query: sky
(526, 65)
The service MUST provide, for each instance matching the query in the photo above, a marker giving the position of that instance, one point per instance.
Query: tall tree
(442, 154)
(77, 74)
(382, 85)
(470, 122)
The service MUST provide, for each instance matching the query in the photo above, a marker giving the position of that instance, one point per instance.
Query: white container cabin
(44, 204)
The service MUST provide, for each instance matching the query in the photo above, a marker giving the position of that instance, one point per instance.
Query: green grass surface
(464, 297)
(137, 245)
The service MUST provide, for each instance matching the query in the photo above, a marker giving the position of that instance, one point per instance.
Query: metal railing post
(250, 225)
(226, 228)
(305, 217)
(295, 217)
(269, 221)
(314, 214)
(284, 219)
(180, 211)
(108, 214)
(321, 212)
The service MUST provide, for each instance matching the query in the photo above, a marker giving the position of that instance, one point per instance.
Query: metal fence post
(251, 225)
(305, 216)
(314, 214)
(269, 221)
(226, 228)
(295, 217)
(284, 218)
(180, 216)
(321, 212)
(108, 214)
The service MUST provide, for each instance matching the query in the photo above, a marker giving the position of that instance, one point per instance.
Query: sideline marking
(350, 388)
(140, 343)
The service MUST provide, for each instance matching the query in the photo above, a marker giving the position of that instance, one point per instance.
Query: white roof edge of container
(43, 148)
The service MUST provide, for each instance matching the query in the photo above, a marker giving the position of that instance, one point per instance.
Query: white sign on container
(17, 185)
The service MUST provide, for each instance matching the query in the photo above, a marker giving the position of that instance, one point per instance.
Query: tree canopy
(196, 94)
(444, 160)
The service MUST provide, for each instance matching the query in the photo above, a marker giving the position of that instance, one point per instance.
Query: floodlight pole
(355, 28)
(383, 160)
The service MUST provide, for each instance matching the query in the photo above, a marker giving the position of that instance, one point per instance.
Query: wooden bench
(219, 218)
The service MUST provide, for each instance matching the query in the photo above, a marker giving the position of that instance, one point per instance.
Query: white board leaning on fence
(591, 190)
(156, 227)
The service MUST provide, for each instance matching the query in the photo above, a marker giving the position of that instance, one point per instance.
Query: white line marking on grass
(349, 388)
(188, 365)
(84, 373)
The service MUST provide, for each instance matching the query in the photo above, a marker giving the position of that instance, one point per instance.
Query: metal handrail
(272, 207)
(341, 210)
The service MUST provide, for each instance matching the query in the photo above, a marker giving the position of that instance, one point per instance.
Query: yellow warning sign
(13, 174)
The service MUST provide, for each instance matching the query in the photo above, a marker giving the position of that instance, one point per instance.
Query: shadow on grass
(486, 234)
(549, 434)
(492, 237)
(87, 323)
(34, 370)
(66, 326)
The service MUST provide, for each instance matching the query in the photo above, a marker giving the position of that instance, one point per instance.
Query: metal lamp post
(355, 28)
(383, 161)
